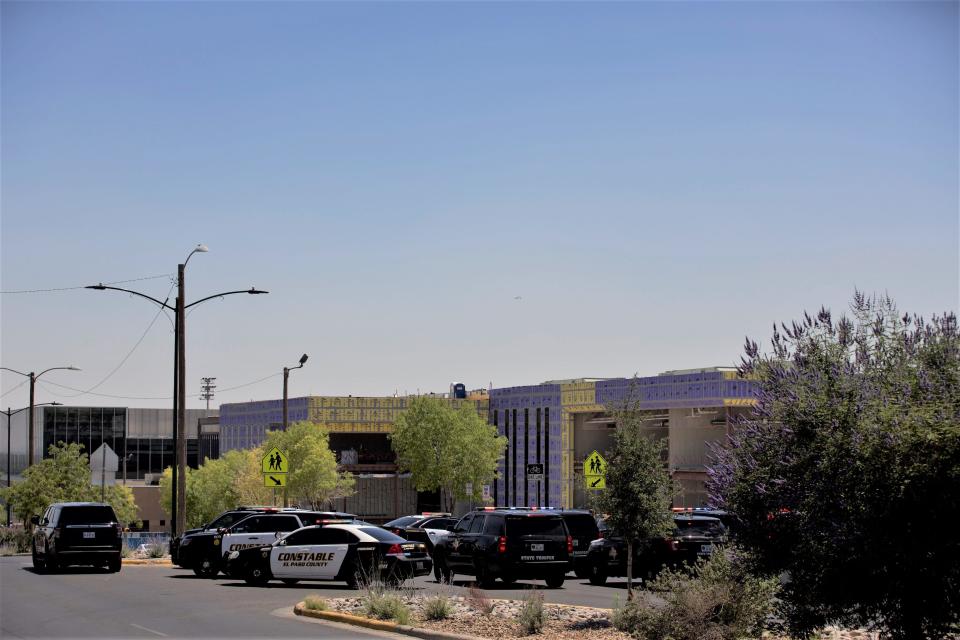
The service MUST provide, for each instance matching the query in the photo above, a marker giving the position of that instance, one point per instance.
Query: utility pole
(206, 390)
(181, 445)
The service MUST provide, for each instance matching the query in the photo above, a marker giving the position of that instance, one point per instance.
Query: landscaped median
(160, 562)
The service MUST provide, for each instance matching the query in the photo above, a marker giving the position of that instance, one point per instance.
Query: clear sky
(653, 180)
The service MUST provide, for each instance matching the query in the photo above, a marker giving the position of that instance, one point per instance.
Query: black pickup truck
(73, 533)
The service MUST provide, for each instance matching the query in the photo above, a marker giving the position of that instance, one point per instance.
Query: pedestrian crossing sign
(275, 462)
(595, 471)
(274, 480)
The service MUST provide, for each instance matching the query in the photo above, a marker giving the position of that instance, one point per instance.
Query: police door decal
(308, 562)
(240, 541)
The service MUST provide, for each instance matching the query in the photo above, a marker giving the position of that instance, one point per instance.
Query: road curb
(379, 625)
(156, 562)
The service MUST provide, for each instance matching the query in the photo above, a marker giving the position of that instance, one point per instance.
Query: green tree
(445, 448)
(636, 502)
(846, 477)
(313, 478)
(64, 476)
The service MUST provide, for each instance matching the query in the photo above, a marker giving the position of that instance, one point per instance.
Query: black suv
(77, 533)
(693, 537)
(507, 544)
(223, 520)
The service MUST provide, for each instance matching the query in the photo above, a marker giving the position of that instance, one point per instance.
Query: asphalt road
(154, 601)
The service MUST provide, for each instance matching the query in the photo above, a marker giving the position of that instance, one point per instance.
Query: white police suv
(352, 553)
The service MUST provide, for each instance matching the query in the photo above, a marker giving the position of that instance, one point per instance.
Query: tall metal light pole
(179, 497)
(33, 383)
(286, 375)
(10, 415)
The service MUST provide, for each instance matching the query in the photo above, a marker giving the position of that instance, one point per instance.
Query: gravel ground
(564, 622)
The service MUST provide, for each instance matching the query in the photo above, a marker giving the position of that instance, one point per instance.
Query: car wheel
(257, 578)
(555, 581)
(290, 581)
(114, 565)
(205, 569)
(446, 576)
(508, 579)
(39, 564)
(598, 575)
(484, 578)
(581, 570)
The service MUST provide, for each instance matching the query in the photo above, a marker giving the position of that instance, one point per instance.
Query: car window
(439, 523)
(277, 523)
(86, 515)
(536, 526)
(494, 526)
(464, 524)
(686, 527)
(320, 535)
(380, 534)
(477, 525)
(227, 519)
(581, 525)
(403, 522)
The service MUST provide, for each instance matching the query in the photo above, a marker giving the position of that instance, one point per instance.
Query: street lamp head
(73, 368)
(254, 291)
(98, 287)
(303, 359)
(202, 248)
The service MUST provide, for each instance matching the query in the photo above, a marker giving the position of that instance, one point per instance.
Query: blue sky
(655, 180)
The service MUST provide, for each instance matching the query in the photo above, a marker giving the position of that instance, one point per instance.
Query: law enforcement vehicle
(693, 537)
(73, 533)
(350, 553)
(204, 552)
(510, 544)
(427, 528)
(222, 521)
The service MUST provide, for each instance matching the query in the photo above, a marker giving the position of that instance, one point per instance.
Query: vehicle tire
(483, 577)
(39, 564)
(508, 578)
(555, 581)
(446, 575)
(598, 575)
(256, 578)
(205, 569)
(290, 581)
(114, 564)
(581, 570)
(53, 564)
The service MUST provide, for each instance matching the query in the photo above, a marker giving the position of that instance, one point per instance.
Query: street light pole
(10, 415)
(286, 376)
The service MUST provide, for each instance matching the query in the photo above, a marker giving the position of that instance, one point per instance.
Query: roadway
(154, 601)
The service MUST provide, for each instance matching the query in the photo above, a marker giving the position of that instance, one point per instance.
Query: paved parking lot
(154, 601)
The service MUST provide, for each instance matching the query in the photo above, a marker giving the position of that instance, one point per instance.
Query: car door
(470, 545)
(315, 553)
(455, 555)
(257, 531)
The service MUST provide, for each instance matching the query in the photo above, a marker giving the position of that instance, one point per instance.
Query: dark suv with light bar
(509, 544)
(71, 533)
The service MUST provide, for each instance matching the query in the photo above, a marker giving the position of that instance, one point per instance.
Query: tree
(64, 476)
(445, 448)
(636, 502)
(847, 475)
(313, 478)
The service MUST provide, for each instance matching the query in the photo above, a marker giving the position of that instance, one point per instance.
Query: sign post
(595, 471)
(535, 472)
(275, 467)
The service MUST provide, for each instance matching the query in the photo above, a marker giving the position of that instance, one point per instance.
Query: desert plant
(479, 601)
(7, 550)
(315, 603)
(437, 608)
(157, 548)
(386, 605)
(125, 551)
(532, 616)
(16, 538)
(716, 599)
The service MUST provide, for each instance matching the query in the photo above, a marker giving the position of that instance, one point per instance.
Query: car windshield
(380, 534)
(226, 520)
(403, 522)
(581, 524)
(86, 515)
(707, 528)
(535, 526)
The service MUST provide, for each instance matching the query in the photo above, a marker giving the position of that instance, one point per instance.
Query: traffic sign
(275, 462)
(595, 471)
(535, 471)
(274, 480)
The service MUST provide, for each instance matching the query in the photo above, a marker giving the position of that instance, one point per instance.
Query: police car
(204, 552)
(351, 553)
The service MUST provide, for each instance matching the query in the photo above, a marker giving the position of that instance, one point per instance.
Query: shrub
(532, 616)
(385, 605)
(15, 538)
(125, 551)
(715, 599)
(437, 608)
(315, 603)
(157, 548)
(479, 601)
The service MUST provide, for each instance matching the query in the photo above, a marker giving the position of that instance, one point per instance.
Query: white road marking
(133, 624)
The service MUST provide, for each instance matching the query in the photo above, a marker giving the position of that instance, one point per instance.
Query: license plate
(419, 565)
(706, 549)
(89, 534)
(536, 547)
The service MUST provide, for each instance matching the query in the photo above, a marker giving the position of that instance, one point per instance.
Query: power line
(240, 386)
(14, 388)
(45, 383)
(162, 275)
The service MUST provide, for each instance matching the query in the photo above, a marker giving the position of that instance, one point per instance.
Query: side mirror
(35, 520)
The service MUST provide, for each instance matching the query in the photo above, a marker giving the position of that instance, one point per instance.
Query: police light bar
(435, 513)
(326, 521)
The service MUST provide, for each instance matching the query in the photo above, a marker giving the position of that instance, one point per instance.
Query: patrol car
(222, 521)
(204, 552)
(351, 553)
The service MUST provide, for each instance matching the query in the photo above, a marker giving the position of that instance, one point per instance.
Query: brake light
(674, 545)
(569, 544)
(601, 534)
(395, 550)
(119, 530)
(502, 544)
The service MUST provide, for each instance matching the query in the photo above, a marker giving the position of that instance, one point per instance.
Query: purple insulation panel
(244, 425)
